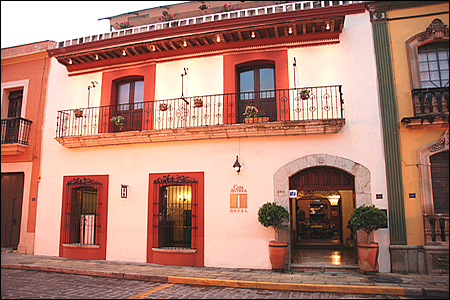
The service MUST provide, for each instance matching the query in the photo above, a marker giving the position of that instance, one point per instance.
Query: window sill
(81, 246)
(175, 250)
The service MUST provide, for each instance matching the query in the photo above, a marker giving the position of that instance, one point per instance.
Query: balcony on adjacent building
(430, 107)
(15, 135)
(217, 116)
(436, 229)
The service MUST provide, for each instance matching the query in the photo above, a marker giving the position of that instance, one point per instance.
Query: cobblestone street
(20, 284)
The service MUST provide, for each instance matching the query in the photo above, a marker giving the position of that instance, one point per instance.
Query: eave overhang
(289, 29)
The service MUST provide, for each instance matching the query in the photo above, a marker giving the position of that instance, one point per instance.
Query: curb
(298, 287)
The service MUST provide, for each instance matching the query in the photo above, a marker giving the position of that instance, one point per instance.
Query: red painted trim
(230, 61)
(177, 259)
(87, 253)
(108, 91)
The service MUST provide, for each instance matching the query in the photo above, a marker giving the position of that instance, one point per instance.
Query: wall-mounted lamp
(237, 165)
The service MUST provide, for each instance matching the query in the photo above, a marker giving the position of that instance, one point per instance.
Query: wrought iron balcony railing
(324, 103)
(16, 130)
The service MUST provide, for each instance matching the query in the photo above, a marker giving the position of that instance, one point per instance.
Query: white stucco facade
(231, 239)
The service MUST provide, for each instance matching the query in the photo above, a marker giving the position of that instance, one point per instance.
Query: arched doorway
(361, 175)
(319, 216)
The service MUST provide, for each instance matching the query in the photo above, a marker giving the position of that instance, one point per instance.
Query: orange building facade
(24, 77)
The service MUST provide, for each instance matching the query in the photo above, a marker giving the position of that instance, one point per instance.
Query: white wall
(231, 239)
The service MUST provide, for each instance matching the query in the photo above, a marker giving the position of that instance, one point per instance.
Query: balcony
(430, 108)
(219, 116)
(436, 229)
(15, 135)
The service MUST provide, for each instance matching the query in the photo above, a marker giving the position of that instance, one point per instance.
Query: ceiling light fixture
(96, 57)
(328, 26)
(153, 48)
(70, 61)
(124, 53)
(218, 39)
(253, 35)
(184, 44)
(290, 30)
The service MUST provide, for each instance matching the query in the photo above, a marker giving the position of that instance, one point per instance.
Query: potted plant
(304, 94)
(78, 112)
(272, 214)
(253, 115)
(198, 102)
(367, 219)
(118, 120)
(163, 106)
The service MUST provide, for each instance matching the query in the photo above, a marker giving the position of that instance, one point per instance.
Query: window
(84, 217)
(175, 205)
(129, 102)
(433, 64)
(428, 57)
(434, 170)
(256, 85)
(81, 219)
(176, 219)
(439, 181)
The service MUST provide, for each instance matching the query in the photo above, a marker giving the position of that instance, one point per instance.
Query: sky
(25, 22)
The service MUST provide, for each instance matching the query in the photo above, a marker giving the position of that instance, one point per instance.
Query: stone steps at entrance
(324, 268)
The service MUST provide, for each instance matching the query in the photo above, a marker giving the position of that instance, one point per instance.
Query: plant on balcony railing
(304, 94)
(78, 112)
(163, 106)
(122, 25)
(167, 17)
(227, 7)
(253, 115)
(118, 120)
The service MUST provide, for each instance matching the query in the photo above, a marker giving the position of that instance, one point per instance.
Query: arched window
(129, 98)
(428, 58)
(256, 86)
(433, 64)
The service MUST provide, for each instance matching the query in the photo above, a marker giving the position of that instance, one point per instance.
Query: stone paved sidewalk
(380, 283)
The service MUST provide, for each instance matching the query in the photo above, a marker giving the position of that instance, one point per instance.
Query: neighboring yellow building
(418, 128)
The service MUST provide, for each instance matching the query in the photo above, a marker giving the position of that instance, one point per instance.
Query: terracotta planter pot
(198, 103)
(256, 120)
(368, 256)
(278, 254)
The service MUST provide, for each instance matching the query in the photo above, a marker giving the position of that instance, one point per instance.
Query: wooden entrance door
(12, 196)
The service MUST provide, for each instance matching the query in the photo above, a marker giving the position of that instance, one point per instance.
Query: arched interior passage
(319, 216)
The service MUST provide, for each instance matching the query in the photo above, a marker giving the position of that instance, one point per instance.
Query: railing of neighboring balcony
(429, 104)
(324, 103)
(436, 229)
(15, 130)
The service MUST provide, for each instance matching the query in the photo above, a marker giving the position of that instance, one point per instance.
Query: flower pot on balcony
(78, 113)
(256, 120)
(198, 102)
(163, 106)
